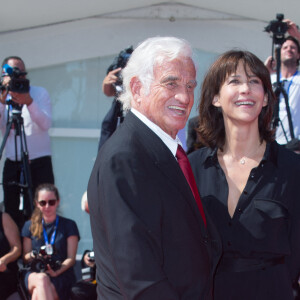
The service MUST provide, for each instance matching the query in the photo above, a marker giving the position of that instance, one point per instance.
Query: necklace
(243, 159)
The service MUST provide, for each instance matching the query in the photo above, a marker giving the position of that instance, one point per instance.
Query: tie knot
(180, 153)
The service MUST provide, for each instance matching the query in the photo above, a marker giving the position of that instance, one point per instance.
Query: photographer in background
(85, 289)
(112, 87)
(36, 112)
(55, 239)
(289, 74)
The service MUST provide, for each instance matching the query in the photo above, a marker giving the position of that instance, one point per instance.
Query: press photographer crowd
(222, 223)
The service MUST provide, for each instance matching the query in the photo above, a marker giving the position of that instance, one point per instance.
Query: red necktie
(188, 173)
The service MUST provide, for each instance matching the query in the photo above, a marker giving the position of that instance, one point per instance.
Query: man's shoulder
(133, 140)
(36, 88)
(38, 91)
(297, 77)
(132, 133)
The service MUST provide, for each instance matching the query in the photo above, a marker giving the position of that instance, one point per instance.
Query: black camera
(89, 273)
(16, 84)
(91, 256)
(42, 259)
(278, 28)
(120, 62)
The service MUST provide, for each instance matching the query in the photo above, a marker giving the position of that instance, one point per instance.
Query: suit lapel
(165, 162)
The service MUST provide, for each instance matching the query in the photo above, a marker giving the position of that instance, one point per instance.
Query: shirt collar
(171, 143)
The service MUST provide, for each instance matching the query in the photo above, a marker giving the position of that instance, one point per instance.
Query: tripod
(278, 90)
(15, 121)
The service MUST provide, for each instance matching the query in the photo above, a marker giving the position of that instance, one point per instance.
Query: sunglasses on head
(51, 202)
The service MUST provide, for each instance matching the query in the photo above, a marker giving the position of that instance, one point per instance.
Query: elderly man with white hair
(152, 238)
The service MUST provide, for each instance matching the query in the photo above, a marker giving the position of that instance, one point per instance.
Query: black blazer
(149, 238)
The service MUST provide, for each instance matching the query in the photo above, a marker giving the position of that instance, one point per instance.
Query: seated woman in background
(49, 238)
(248, 183)
(10, 250)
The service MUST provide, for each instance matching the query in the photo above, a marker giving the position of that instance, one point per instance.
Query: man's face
(14, 63)
(171, 96)
(289, 53)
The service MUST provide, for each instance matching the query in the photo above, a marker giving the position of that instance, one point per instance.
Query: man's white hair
(153, 51)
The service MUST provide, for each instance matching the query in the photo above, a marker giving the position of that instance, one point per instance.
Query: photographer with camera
(290, 80)
(34, 107)
(112, 87)
(49, 247)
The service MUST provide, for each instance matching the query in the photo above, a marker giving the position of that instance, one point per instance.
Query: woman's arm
(72, 243)
(27, 250)
(12, 234)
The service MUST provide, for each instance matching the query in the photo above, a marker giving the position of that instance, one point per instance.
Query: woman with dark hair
(248, 183)
(58, 238)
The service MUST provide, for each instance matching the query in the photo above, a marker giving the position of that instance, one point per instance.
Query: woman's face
(47, 203)
(241, 97)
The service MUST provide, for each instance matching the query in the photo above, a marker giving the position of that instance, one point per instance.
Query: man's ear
(136, 86)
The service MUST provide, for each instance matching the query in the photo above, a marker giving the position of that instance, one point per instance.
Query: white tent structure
(67, 46)
(51, 32)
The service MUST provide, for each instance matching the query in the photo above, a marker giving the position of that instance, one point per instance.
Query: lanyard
(53, 234)
(290, 83)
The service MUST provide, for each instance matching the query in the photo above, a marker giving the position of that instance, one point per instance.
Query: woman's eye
(255, 81)
(233, 81)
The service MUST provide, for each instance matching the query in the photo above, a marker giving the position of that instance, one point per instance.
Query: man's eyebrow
(194, 82)
(170, 78)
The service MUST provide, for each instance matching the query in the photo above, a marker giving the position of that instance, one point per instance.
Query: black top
(4, 246)
(265, 224)
(65, 228)
(8, 278)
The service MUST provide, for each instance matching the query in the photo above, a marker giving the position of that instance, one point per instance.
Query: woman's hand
(72, 242)
(51, 272)
(3, 266)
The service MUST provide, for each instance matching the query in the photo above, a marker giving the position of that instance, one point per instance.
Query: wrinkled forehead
(182, 67)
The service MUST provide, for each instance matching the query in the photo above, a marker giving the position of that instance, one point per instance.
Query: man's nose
(183, 94)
